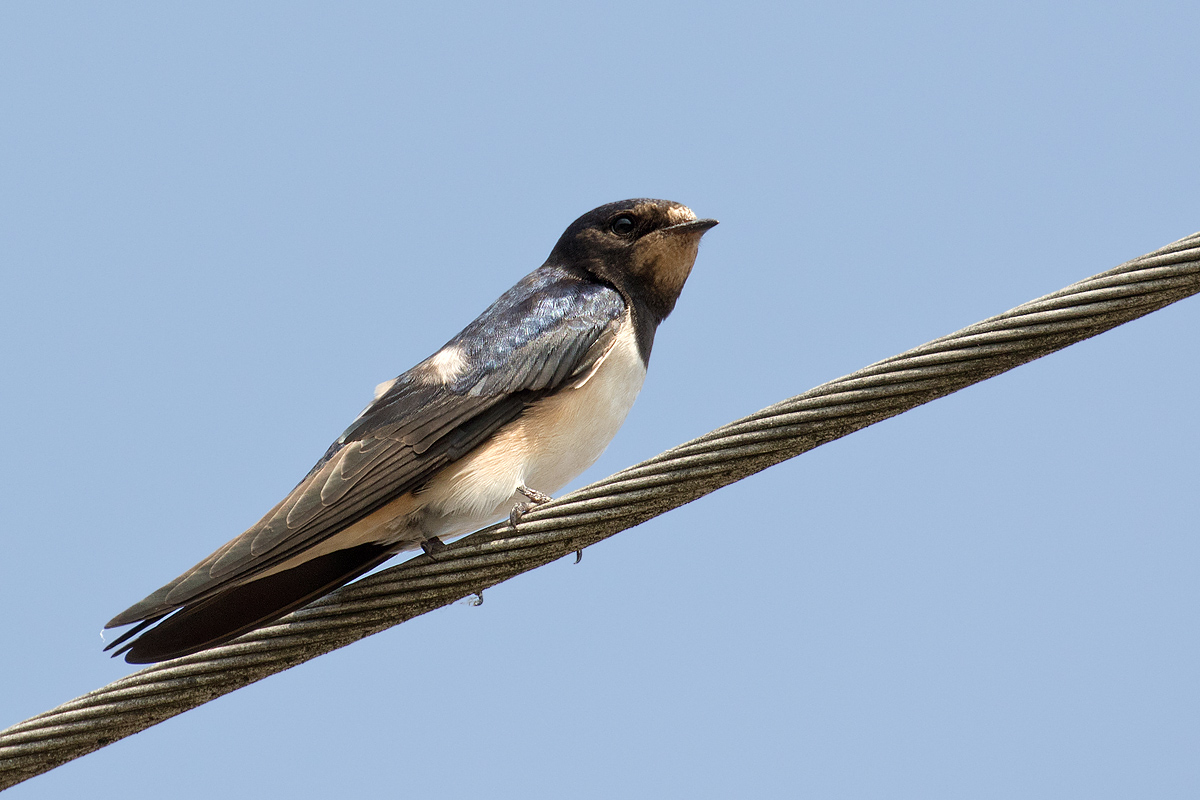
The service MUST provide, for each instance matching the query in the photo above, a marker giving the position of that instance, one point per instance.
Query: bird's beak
(694, 226)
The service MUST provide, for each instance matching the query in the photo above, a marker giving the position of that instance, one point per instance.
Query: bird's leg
(536, 498)
(432, 546)
(533, 494)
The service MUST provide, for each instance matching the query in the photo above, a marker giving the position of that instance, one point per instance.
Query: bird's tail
(217, 619)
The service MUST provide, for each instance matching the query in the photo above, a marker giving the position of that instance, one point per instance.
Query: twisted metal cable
(621, 501)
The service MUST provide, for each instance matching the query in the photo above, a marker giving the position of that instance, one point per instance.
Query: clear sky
(221, 225)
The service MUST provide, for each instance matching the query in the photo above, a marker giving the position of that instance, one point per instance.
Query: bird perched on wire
(515, 406)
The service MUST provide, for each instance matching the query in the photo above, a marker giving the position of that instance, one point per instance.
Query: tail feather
(129, 634)
(230, 613)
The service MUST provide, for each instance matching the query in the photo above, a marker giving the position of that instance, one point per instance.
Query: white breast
(544, 449)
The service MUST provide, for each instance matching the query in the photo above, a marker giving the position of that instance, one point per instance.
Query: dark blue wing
(540, 335)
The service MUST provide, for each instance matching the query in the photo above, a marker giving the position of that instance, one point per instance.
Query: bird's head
(645, 248)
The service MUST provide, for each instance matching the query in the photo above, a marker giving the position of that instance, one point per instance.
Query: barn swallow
(517, 405)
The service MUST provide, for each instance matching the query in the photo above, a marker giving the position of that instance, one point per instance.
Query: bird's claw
(536, 498)
(517, 512)
(432, 546)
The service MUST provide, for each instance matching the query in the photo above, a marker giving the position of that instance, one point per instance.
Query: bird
(507, 412)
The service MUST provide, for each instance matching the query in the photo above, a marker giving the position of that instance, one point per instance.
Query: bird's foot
(432, 546)
(536, 498)
(517, 512)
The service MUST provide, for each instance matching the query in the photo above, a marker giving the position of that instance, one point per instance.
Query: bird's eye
(622, 225)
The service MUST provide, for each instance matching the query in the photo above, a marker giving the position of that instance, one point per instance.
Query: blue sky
(221, 226)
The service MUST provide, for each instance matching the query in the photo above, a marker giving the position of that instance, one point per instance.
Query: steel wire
(582, 518)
